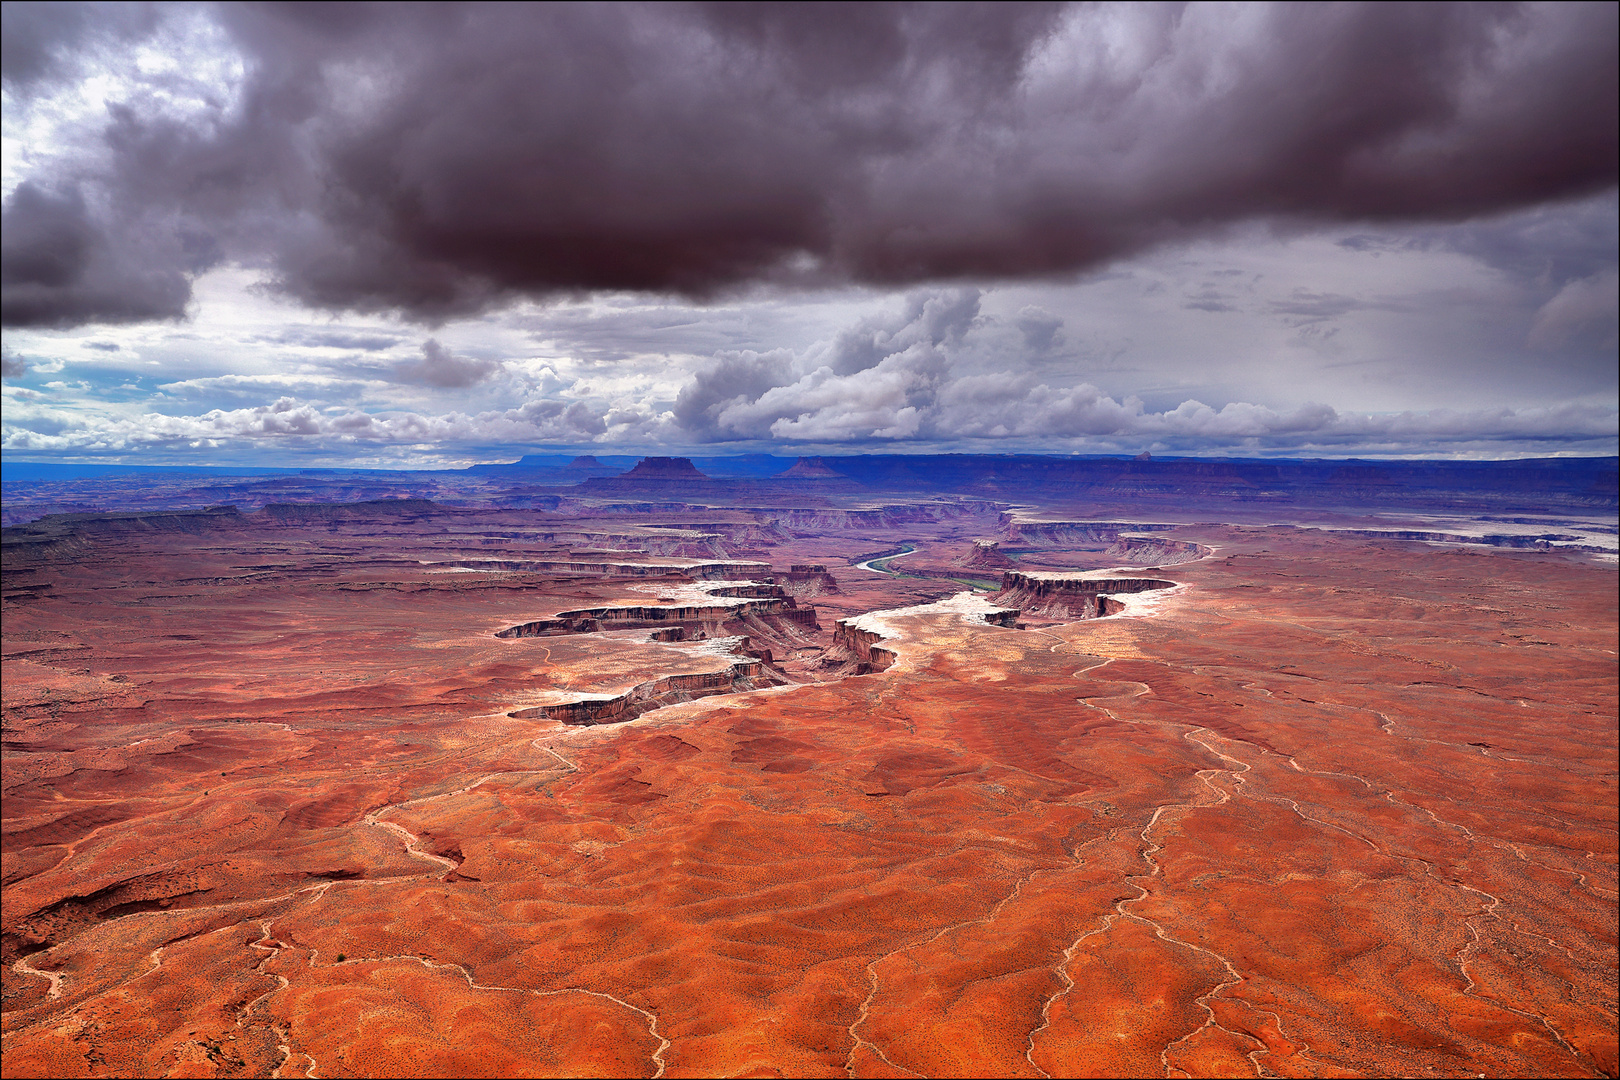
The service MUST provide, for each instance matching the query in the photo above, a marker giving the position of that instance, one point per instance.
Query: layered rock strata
(1157, 550)
(652, 475)
(984, 555)
(704, 619)
(72, 536)
(805, 580)
(372, 510)
(703, 571)
(1069, 596)
(858, 642)
(886, 517)
(861, 647)
(749, 671)
(1021, 531)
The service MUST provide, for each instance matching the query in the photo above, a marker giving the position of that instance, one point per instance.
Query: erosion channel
(755, 635)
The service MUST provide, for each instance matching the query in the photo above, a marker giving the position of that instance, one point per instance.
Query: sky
(428, 235)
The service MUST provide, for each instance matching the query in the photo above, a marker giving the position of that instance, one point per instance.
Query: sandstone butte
(280, 800)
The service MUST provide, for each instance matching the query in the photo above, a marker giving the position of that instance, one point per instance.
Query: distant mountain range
(1584, 485)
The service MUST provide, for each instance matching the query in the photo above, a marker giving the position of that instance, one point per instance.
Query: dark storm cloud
(59, 267)
(1557, 243)
(438, 367)
(736, 379)
(940, 371)
(440, 159)
(40, 42)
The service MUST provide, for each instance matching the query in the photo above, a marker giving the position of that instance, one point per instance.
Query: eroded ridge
(1068, 596)
(699, 610)
(746, 669)
(703, 615)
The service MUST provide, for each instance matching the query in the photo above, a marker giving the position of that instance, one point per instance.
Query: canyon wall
(1156, 550)
(1020, 532)
(761, 609)
(860, 647)
(746, 672)
(804, 580)
(703, 571)
(71, 536)
(642, 616)
(1059, 597)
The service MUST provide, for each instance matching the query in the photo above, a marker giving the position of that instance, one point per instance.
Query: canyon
(888, 767)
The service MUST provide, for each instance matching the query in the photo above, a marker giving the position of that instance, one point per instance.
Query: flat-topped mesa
(1156, 550)
(1062, 596)
(984, 554)
(806, 580)
(664, 468)
(659, 477)
(131, 523)
(603, 709)
(69, 537)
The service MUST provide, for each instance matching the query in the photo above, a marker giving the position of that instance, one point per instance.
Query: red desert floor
(1335, 807)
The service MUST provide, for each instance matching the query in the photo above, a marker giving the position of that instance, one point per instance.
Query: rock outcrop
(862, 648)
(704, 620)
(985, 555)
(665, 469)
(1156, 550)
(73, 536)
(1019, 531)
(747, 672)
(818, 520)
(702, 571)
(760, 610)
(389, 510)
(1062, 596)
(811, 468)
(652, 476)
(814, 474)
(804, 580)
